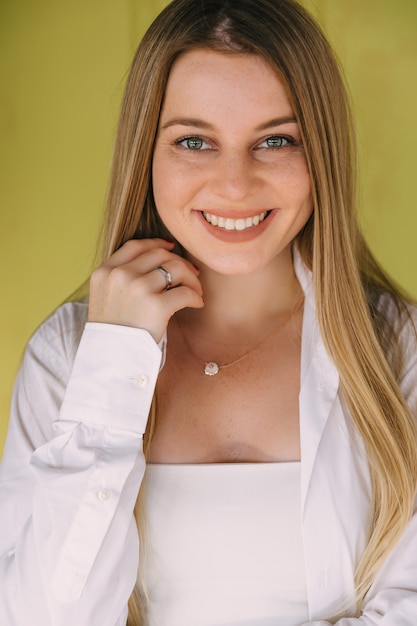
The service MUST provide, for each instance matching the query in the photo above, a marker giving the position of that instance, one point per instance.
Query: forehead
(211, 80)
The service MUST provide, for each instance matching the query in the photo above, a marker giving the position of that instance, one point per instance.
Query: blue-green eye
(193, 143)
(275, 141)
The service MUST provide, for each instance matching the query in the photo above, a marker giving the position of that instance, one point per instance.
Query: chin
(234, 264)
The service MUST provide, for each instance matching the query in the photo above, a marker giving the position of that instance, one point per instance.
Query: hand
(129, 290)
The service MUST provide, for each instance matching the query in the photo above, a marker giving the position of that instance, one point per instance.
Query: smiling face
(230, 179)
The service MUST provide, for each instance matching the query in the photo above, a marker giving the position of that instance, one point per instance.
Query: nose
(235, 176)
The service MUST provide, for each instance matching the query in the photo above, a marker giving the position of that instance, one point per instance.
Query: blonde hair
(348, 281)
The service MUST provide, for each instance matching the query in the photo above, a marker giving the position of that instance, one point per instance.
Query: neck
(242, 303)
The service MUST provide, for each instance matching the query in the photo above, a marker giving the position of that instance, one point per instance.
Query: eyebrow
(197, 123)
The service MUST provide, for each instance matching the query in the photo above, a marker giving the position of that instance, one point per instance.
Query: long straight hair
(347, 279)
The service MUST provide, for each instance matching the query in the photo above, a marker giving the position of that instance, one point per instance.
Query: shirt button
(140, 380)
(103, 494)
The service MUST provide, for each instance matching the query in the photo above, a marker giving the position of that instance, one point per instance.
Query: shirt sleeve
(71, 472)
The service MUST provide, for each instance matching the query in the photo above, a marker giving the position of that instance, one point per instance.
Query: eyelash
(180, 141)
(289, 142)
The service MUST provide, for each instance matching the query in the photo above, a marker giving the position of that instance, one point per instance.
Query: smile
(229, 223)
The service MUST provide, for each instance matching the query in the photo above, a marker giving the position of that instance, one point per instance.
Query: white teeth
(229, 223)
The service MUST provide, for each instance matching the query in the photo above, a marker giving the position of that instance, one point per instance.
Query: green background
(62, 71)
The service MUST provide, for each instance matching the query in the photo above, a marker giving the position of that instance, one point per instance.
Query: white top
(73, 464)
(225, 545)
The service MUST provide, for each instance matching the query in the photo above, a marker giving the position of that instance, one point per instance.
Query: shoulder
(62, 328)
(400, 315)
(400, 318)
(66, 319)
(54, 344)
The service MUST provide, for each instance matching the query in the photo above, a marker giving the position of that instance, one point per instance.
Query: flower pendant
(211, 369)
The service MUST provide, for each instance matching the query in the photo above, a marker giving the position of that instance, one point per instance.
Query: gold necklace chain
(211, 368)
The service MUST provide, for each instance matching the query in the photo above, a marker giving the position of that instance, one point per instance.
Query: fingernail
(195, 267)
(169, 240)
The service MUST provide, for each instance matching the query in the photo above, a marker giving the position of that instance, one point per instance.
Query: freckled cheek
(300, 181)
(164, 184)
(293, 186)
(170, 176)
(171, 193)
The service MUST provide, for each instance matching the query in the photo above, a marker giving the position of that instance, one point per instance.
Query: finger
(135, 248)
(152, 259)
(182, 297)
(180, 270)
(155, 282)
(167, 276)
(135, 258)
(144, 263)
(173, 272)
(131, 281)
(173, 300)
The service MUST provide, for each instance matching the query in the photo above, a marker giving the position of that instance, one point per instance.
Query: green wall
(62, 68)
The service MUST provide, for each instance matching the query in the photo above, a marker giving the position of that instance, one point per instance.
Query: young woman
(240, 338)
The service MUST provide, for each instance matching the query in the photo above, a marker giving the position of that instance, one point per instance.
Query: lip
(236, 236)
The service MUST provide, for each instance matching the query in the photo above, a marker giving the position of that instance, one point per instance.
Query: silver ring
(167, 275)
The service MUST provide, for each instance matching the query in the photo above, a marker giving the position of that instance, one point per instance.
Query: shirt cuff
(113, 377)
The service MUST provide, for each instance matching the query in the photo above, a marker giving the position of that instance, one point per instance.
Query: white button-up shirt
(73, 465)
